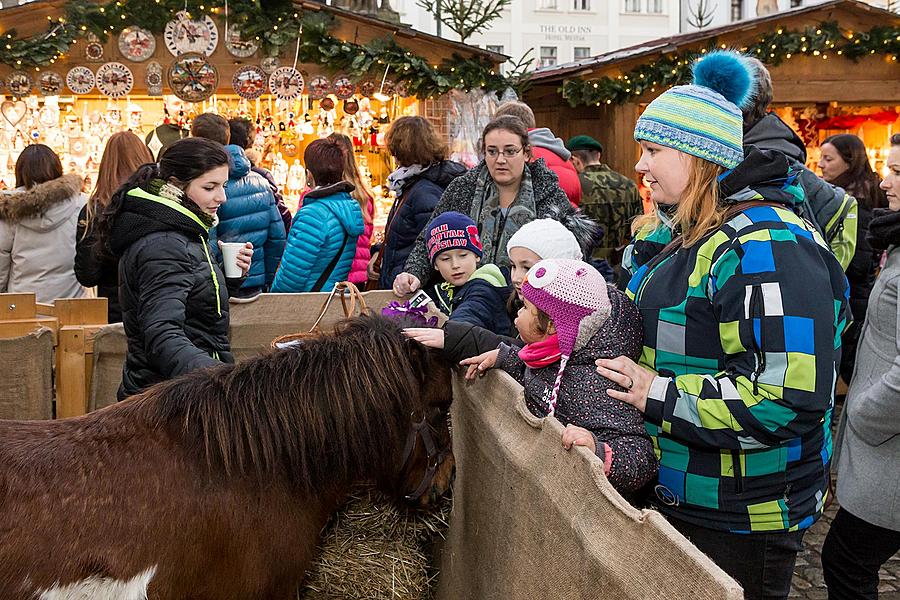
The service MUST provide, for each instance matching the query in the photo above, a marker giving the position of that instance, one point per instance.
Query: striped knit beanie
(704, 119)
(575, 297)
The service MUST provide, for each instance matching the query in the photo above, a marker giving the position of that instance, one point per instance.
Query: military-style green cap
(583, 142)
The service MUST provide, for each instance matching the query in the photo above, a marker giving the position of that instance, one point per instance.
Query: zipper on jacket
(651, 272)
(737, 471)
(212, 272)
(757, 310)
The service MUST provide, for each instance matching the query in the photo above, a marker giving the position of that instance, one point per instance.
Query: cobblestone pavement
(808, 583)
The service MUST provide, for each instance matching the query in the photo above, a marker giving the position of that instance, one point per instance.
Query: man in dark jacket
(835, 212)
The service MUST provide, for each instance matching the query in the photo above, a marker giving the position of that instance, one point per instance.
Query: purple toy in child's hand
(402, 310)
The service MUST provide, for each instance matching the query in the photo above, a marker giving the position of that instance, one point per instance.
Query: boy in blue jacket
(469, 294)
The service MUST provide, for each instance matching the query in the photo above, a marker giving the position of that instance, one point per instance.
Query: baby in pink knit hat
(570, 319)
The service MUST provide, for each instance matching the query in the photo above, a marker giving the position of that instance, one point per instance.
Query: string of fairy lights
(825, 41)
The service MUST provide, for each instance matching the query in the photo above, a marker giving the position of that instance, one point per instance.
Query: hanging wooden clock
(19, 84)
(80, 80)
(136, 44)
(367, 87)
(50, 83)
(319, 86)
(93, 50)
(286, 83)
(186, 35)
(192, 78)
(114, 79)
(154, 79)
(269, 64)
(343, 87)
(249, 82)
(237, 45)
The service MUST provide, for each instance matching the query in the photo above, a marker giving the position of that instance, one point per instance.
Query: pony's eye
(542, 274)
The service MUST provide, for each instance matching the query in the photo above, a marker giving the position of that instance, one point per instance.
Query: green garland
(825, 41)
(274, 29)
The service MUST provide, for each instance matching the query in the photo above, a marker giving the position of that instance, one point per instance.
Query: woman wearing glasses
(501, 194)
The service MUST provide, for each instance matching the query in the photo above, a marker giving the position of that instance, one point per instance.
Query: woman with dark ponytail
(174, 295)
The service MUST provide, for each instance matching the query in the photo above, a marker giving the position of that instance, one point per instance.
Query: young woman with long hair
(742, 302)
(123, 156)
(174, 295)
(362, 194)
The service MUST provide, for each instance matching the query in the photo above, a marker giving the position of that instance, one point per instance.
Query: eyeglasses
(506, 152)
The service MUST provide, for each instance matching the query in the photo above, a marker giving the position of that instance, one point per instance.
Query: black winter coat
(173, 294)
(92, 270)
(409, 215)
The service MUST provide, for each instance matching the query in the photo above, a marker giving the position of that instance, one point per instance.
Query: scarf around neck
(884, 229)
(399, 178)
(544, 353)
(494, 226)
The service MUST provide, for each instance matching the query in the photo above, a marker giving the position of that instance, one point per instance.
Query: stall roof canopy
(31, 18)
(850, 14)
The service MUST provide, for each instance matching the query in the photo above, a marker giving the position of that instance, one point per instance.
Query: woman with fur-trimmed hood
(37, 228)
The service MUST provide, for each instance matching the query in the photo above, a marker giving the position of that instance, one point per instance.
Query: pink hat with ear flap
(575, 297)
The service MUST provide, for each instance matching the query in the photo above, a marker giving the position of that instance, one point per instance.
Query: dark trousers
(763, 563)
(853, 552)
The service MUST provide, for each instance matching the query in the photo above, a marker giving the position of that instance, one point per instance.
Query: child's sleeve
(509, 361)
(628, 460)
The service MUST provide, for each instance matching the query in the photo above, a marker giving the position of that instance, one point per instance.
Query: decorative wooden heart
(13, 112)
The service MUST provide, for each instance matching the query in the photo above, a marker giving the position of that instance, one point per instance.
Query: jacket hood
(771, 133)
(144, 213)
(443, 173)
(239, 164)
(44, 206)
(341, 204)
(544, 138)
(491, 274)
(763, 175)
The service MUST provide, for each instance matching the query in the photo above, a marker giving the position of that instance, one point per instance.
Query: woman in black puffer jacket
(173, 294)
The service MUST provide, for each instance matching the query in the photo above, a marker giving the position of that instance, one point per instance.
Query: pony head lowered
(363, 403)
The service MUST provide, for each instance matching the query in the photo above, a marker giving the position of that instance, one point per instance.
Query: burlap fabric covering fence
(531, 520)
(27, 391)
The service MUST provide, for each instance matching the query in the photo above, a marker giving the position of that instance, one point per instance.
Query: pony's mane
(333, 408)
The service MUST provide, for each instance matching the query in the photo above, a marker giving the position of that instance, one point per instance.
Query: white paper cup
(229, 257)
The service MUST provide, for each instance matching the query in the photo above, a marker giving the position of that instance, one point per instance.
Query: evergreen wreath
(273, 29)
(824, 41)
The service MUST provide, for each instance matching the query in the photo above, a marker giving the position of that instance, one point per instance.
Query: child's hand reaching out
(479, 364)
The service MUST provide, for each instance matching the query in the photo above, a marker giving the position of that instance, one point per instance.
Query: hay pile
(374, 548)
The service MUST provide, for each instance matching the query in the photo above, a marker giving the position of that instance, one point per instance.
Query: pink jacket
(358, 274)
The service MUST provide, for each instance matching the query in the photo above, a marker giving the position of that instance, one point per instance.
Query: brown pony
(216, 485)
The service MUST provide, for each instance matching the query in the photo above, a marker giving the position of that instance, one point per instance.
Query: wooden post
(74, 368)
(20, 315)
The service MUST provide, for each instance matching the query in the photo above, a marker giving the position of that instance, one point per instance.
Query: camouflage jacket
(612, 200)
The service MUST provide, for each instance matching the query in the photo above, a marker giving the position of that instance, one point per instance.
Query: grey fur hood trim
(20, 204)
(587, 231)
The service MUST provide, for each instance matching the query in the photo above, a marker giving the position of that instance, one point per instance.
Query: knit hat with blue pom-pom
(704, 119)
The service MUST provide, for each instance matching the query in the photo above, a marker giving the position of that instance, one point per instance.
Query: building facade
(713, 13)
(562, 31)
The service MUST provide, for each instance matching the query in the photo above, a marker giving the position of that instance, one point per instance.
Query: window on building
(547, 4)
(582, 4)
(498, 48)
(737, 10)
(796, 3)
(633, 6)
(582, 52)
(655, 6)
(548, 56)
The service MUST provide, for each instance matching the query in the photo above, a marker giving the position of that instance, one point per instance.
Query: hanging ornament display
(136, 44)
(343, 87)
(327, 103)
(114, 79)
(154, 79)
(249, 82)
(269, 64)
(351, 106)
(19, 84)
(185, 35)
(80, 80)
(93, 50)
(237, 45)
(13, 112)
(286, 83)
(319, 86)
(49, 113)
(192, 78)
(367, 87)
(50, 83)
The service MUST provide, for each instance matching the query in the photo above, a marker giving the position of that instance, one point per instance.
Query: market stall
(834, 69)
(73, 73)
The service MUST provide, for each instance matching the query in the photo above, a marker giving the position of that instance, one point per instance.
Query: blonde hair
(699, 211)
(361, 193)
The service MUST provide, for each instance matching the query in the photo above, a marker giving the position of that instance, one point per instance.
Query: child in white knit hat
(569, 319)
